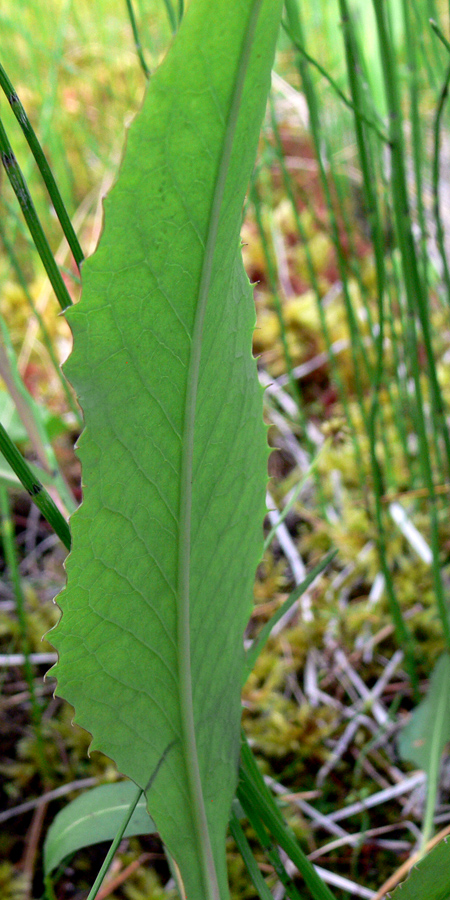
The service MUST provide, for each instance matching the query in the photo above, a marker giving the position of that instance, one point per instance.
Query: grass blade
(260, 642)
(44, 168)
(249, 860)
(22, 193)
(253, 794)
(34, 487)
(137, 40)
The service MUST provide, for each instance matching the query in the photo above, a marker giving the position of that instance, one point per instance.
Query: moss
(13, 885)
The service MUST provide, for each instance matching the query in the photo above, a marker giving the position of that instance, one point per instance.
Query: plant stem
(171, 15)
(348, 103)
(312, 469)
(43, 166)
(249, 860)
(295, 389)
(22, 193)
(417, 143)
(443, 93)
(34, 488)
(137, 40)
(254, 794)
(315, 285)
(260, 641)
(417, 302)
(374, 219)
(109, 856)
(272, 281)
(440, 34)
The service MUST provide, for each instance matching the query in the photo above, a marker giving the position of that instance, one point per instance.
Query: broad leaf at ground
(429, 879)
(93, 817)
(174, 455)
(423, 739)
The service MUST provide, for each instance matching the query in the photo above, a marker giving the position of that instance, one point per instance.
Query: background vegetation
(344, 235)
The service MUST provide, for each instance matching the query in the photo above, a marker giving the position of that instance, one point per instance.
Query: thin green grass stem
(331, 81)
(109, 856)
(43, 166)
(312, 469)
(272, 281)
(374, 370)
(369, 419)
(403, 403)
(398, 313)
(440, 34)
(417, 303)
(22, 193)
(249, 860)
(256, 799)
(270, 849)
(353, 65)
(49, 890)
(440, 236)
(171, 15)
(293, 383)
(48, 134)
(9, 549)
(376, 230)
(261, 640)
(420, 31)
(416, 135)
(137, 40)
(34, 488)
(357, 351)
(315, 286)
(20, 225)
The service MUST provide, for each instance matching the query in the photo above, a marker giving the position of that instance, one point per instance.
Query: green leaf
(423, 739)
(93, 817)
(174, 453)
(429, 879)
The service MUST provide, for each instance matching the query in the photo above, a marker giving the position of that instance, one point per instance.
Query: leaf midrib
(201, 831)
(99, 813)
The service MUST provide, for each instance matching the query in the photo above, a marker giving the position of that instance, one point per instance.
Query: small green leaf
(93, 817)
(429, 879)
(423, 739)
(428, 730)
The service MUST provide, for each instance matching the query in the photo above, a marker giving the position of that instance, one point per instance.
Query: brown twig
(125, 873)
(31, 847)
